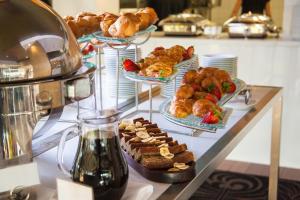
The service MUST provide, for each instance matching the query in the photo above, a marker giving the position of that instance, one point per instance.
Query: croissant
(74, 28)
(185, 92)
(145, 20)
(125, 26)
(152, 14)
(159, 69)
(107, 21)
(202, 106)
(181, 108)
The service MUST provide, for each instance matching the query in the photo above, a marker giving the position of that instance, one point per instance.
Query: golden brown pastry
(181, 108)
(189, 77)
(207, 71)
(210, 82)
(185, 92)
(159, 69)
(222, 76)
(75, 29)
(152, 14)
(107, 21)
(125, 26)
(93, 23)
(67, 18)
(203, 106)
(145, 20)
(83, 14)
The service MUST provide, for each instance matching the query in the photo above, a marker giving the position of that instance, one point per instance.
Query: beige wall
(221, 14)
(72, 7)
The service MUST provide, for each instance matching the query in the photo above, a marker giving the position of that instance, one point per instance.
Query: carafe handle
(61, 147)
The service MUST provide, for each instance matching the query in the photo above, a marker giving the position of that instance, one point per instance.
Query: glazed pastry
(152, 14)
(75, 29)
(125, 26)
(222, 76)
(189, 77)
(181, 108)
(185, 92)
(67, 18)
(159, 69)
(207, 71)
(107, 21)
(145, 20)
(203, 106)
(210, 83)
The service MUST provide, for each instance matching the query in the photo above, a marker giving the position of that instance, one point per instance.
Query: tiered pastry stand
(119, 44)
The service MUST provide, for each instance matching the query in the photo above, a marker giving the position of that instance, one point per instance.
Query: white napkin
(137, 190)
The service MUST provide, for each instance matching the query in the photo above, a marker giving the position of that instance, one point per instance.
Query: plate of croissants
(197, 102)
(160, 66)
(108, 27)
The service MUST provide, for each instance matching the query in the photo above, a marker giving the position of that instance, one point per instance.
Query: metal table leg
(275, 149)
(117, 76)
(150, 103)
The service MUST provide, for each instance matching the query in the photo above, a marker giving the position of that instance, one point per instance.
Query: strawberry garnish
(85, 52)
(211, 98)
(130, 66)
(90, 48)
(196, 87)
(210, 118)
(213, 116)
(215, 91)
(228, 87)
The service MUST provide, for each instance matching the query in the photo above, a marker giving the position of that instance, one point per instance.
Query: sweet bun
(202, 107)
(181, 108)
(74, 27)
(125, 26)
(67, 18)
(152, 14)
(189, 77)
(107, 21)
(145, 20)
(185, 92)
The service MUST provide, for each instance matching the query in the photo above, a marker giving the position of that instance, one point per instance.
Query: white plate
(239, 104)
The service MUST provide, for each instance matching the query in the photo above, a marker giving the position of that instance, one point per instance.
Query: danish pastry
(203, 106)
(185, 92)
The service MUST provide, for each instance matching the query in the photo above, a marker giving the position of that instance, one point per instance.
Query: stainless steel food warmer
(182, 24)
(40, 72)
(250, 25)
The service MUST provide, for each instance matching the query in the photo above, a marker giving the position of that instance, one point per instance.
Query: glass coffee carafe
(99, 161)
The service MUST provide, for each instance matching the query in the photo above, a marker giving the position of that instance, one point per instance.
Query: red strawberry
(210, 118)
(211, 98)
(196, 87)
(190, 51)
(90, 48)
(229, 87)
(130, 66)
(85, 52)
(215, 91)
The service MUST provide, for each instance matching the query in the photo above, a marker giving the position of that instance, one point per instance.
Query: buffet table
(210, 149)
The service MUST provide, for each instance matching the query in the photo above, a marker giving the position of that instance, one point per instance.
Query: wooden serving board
(162, 176)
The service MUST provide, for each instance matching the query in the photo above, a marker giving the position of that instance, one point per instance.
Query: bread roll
(74, 27)
(145, 20)
(107, 21)
(125, 26)
(152, 14)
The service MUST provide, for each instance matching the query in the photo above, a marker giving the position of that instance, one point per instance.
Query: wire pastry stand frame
(118, 45)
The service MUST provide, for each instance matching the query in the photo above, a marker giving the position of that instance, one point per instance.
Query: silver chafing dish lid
(35, 43)
(182, 18)
(249, 18)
